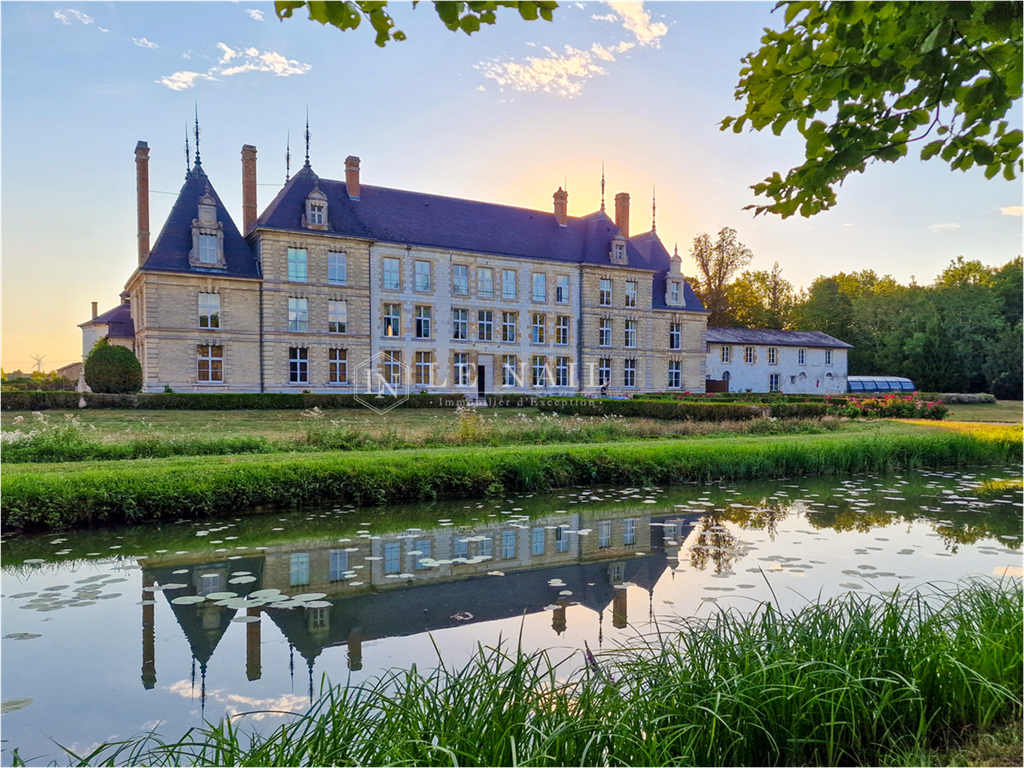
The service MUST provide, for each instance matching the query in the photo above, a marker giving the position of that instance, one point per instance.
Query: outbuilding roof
(118, 321)
(763, 337)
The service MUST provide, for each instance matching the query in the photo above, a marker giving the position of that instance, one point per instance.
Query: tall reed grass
(849, 681)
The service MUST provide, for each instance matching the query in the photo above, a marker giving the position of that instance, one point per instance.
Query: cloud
(235, 704)
(638, 21)
(1012, 210)
(80, 16)
(271, 62)
(245, 60)
(607, 17)
(181, 81)
(559, 74)
(226, 53)
(61, 18)
(254, 14)
(144, 43)
(943, 227)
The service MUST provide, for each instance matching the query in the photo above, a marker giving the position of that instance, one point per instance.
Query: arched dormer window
(316, 210)
(618, 251)
(207, 236)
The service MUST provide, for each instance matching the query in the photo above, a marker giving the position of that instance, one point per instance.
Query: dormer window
(207, 249)
(316, 210)
(316, 213)
(618, 252)
(207, 236)
(673, 292)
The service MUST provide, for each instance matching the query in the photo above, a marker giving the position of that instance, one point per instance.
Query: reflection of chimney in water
(619, 607)
(148, 634)
(253, 667)
(355, 650)
(558, 617)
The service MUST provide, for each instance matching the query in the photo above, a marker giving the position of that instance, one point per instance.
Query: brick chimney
(352, 177)
(142, 197)
(622, 213)
(562, 207)
(95, 310)
(248, 188)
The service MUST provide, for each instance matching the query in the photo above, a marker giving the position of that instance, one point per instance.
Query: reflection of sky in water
(85, 670)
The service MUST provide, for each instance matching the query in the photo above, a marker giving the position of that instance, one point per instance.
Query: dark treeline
(962, 333)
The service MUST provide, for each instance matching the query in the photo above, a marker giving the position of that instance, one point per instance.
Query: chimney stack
(562, 207)
(622, 213)
(248, 188)
(352, 177)
(95, 310)
(142, 197)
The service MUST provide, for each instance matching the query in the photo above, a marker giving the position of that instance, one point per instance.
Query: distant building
(789, 362)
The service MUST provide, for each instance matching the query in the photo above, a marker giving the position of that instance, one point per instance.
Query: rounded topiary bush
(113, 370)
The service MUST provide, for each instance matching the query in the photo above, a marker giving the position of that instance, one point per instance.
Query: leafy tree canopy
(961, 272)
(882, 75)
(467, 16)
(717, 262)
(112, 370)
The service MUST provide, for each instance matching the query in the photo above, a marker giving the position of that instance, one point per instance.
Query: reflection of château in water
(378, 586)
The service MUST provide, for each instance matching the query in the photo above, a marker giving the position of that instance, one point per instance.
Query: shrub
(891, 407)
(113, 370)
(39, 401)
(956, 398)
(653, 409)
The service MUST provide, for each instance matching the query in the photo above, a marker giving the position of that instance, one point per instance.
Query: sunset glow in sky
(507, 115)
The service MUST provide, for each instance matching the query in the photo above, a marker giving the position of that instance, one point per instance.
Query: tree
(112, 370)
(763, 299)
(1008, 284)
(960, 272)
(717, 262)
(1004, 362)
(827, 309)
(467, 16)
(883, 75)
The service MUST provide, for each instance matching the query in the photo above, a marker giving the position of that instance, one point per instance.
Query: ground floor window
(392, 558)
(337, 366)
(298, 365)
(392, 366)
(339, 564)
(539, 363)
(508, 545)
(460, 361)
(675, 374)
(773, 382)
(629, 535)
(604, 372)
(561, 371)
(298, 570)
(211, 362)
(604, 533)
(538, 541)
(422, 370)
(509, 376)
(629, 373)
(561, 540)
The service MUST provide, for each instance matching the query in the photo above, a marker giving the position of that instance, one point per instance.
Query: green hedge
(203, 401)
(38, 401)
(956, 398)
(653, 409)
(759, 398)
(800, 410)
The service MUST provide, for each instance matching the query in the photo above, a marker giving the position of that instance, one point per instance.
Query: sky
(507, 115)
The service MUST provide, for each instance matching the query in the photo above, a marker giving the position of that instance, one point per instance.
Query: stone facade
(797, 366)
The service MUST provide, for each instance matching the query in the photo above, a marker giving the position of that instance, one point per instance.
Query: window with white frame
(508, 326)
(508, 284)
(460, 362)
(801, 357)
(316, 213)
(604, 371)
(421, 317)
(773, 356)
(460, 548)
(604, 534)
(486, 548)
(773, 382)
(392, 366)
(392, 557)
(460, 279)
(207, 249)
(539, 364)
(631, 293)
(297, 266)
(298, 315)
(538, 541)
(421, 371)
(604, 332)
(337, 316)
(508, 545)
(828, 357)
(562, 371)
(675, 374)
(562, 330)
(392, 319)
(726, 354)
(509, 372)
(484, 282)
(630, 340)
(485, 325)
(539, 323)
(675, 335)
(211, 362)
(337, 366)
(562, 289)
(422, 276)
(629, 372)
(298, 569)
(629, 531)
(460, 324)
(209, 310)
(423, 547)
(540, 286)
(561, 540)
(298, 365)
(337, 268)
(338, 565)
(605, 294)
(749, 355)
(392, 274)
(674, 293)
(210, 582)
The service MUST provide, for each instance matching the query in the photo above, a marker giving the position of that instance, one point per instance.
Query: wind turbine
(39, 362)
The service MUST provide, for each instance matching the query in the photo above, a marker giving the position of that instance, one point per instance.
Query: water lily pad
(21, 636)
(318, 604)
(214, 596)
(13, 705)
(188, 600)
(242, 580)
(264, 593)
(22, 594)
(246, 619)
(309, 596)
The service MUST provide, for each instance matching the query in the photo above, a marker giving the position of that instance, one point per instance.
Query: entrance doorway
(481, 380)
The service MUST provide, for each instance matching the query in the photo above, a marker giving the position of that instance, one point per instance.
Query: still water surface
(110, 633)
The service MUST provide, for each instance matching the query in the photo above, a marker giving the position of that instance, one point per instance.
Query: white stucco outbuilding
(790, 362)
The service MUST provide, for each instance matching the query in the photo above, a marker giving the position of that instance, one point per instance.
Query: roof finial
(602, 185)
(198, 163)
(677, 250)
(288, 157)
(654, 208)
(188, 152)
(307, 135)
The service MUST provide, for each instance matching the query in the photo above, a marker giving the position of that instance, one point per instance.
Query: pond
(107, 634)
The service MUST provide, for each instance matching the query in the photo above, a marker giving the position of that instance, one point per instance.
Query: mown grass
(1006, 411)
(53, 496)
(849, 681)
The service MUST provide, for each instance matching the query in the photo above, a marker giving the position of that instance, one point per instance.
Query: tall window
(423, 547)
(537, 328)
(339, 564)
(539, 363)
(604, 533)
(485, 325)
(422, 318)
(508, 326)
(211, 362)
(605, 296)
(538, 541)
(297, 267)
(562, 289)
(486, 547)
(392, 274)
(209, 310)
(773, 356)
(726, 354)
(673, 289)
(801, 357)
(629, 531)
(508, 284)
(509, 372)
(604, 371)
(460, 324)
(337, 268)
(629, 373)
(392, 319)
(298, 569)
(460, 279)
(337, 317)
(207, 249)
(422, 282)
(675, 336)
(561, 371)
(631, 293)
(675, 374)
(508, 545)
(828, 357)
(298, 315)
(460, 548)
(540, 286)
(422, 369)
(485, 282)
(460, 361)
(561, 540)
(337, 366)
(631, 333)
(392, 557)
(392, 366)
(773, 382)
(604, 332)
(298, 365)
(562, 330)
(748, 355)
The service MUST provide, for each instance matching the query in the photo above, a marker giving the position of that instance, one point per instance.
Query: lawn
(1011, 411)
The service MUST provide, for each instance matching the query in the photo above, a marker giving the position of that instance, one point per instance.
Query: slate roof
(653, 250)
(172, 246)
(774, 338)
(118, 321)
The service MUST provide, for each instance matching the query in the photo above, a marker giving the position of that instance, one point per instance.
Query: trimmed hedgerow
(216, 401)
(956, 398)
(653, 409)
(38, 401)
